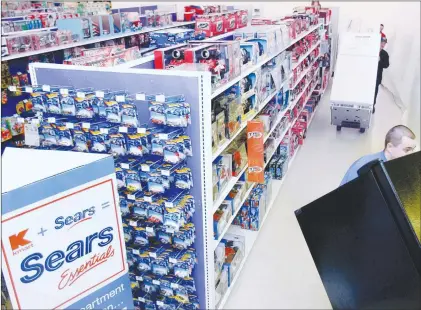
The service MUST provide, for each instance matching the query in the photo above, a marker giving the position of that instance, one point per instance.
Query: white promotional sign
(63, 248)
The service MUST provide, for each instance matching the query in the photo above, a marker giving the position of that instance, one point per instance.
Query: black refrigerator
(364, 238)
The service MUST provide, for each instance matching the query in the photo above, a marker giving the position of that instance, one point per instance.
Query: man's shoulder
(367, 158)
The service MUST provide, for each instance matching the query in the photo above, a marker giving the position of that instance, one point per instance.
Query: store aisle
(280, 273)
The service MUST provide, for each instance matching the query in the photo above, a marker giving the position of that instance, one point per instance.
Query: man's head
(399, 141)
(381, 27)
(383, 42)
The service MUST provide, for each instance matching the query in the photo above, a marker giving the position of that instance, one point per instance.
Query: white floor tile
(280, 273)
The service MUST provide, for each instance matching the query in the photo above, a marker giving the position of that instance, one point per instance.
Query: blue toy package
(157, 113)
(117, 144)
(38, 102)
(83, 103)
(177, 114)
(155, 182)
(133, 183)
(112, 111)
(136, 144)
(47, 135)
(160, 266)
(68, 104)
(99, 142)
(52, 102)
(183, 178)
(156, 212)
(98, 103)
(129, 115)
(188, 145)
(174, 151)
(81, 138)
(63, 135)
(141, 208)
(140, 236)
(125, 206)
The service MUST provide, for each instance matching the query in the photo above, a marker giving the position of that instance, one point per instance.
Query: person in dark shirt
(383, 64)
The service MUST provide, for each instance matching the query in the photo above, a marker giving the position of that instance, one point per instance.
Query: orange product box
(255, 147)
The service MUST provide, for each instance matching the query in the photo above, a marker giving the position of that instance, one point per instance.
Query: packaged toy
(83, 103)
(44, 39)
(249, 54)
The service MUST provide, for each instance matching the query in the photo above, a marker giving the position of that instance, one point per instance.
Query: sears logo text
(84, 215)
(37, 263)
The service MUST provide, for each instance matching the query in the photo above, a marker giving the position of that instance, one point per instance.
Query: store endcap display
(360, 240)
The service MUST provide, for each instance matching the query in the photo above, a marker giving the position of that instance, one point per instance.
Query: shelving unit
(93, 40)
(197, 86)
(259, 64)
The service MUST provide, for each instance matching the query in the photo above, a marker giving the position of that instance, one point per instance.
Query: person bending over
(399, 141)
(383, 64)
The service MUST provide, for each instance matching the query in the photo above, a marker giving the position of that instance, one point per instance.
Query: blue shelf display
(160, 273)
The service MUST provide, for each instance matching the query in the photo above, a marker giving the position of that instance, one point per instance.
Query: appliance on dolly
(352, 96)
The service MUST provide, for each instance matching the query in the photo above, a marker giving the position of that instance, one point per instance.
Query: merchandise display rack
(93, 40)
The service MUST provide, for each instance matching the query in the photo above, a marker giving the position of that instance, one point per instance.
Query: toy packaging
(255, 147)
(249, 54)
(169, 37)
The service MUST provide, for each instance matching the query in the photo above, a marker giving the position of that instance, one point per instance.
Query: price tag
(149, 229)
(80, 94)
(70, 125)
(12, 88)
(159, 303)
(133, 223)
(64, 91)
(125, 166)
(46, 88)
(160, 98)
(86, 125)
(138, 278)
(145, 168)
(141, 130)
(122, 129)
(28, 89)
(147, 199)
(35, 121)
(170, 230)
(120, 98)
(141, 299)
(140, 97)
(153, 255)
(99, 94)
(156, 282)
(104, 130)
(174, 285)
(51, 119)
(131, 197)
(169, 204)
(20, 120)
(136, 251)
(173, 260)
(162, 136)
(165, 173)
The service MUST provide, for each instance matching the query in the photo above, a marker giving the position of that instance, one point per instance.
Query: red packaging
(165, 58)
(230, 22)
(255, 148)
(242, 18)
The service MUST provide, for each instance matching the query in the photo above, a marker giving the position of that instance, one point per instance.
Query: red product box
(211, 25)
(216, 57)
(169, 57)
(242, 18)
(255, 147)
(230, 21)
(231, 51)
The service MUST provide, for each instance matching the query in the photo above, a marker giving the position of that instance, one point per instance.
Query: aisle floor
(280, 273)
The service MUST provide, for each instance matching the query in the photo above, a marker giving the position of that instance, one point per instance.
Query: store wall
(402, 28)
